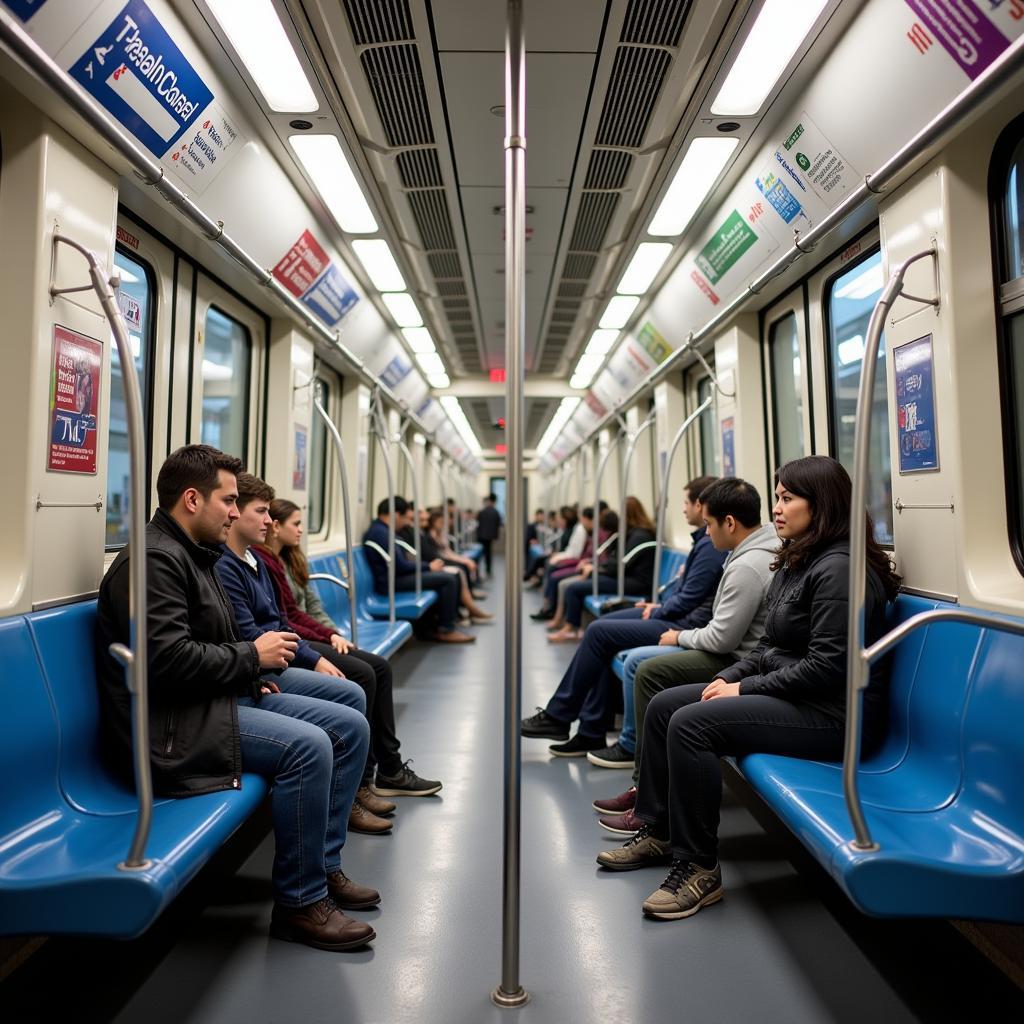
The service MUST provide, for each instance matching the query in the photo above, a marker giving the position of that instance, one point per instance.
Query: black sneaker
(543, 726)
(544, 615)
(615, 756)
(578, 746)
(405, 783)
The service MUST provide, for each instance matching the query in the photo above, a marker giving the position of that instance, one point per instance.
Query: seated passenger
(433, 575)
(558, 571)
(282, 555)
(430, 549)
(788, 696)
(609, 525)
(639, 571)
(216, 706)
(561, 529)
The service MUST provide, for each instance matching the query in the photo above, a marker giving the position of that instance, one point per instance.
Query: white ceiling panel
(567, 26)
(486, 228)
(555, 101)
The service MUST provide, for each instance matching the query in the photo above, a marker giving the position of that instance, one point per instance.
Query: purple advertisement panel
(966, 34)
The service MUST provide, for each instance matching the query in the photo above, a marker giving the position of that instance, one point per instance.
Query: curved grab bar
(327, 577)
(134, 655)
(627, 462)
(379, 432)
(597, 489)
(339, 452)
(415, 549)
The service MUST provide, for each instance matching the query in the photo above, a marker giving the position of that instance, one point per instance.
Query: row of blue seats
(940, 796)
(671, 562)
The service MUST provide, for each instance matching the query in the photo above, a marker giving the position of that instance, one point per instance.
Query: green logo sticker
(804, 163)
(797, 132)
(729, 243)
(655, 344)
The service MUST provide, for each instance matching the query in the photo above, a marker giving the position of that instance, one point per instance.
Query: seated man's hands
(670, 638)
(328, 669)
(720, 688)
(437, 565)
(276, 650)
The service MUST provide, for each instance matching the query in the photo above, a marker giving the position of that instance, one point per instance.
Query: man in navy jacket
(585, 688)
(433, 575)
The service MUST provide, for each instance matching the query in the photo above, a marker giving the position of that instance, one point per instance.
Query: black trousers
(447, 587)
(486, 543)
(372, 674)
(680, 789)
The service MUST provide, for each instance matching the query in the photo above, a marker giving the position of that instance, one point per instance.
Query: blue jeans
(584, 689)
(634, 658)
(310, 741)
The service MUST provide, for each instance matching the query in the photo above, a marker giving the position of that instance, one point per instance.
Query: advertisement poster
(299, 466)
(729, 446)
(729, 243)
(964, 30)
(915, 406)
(74, 401)
(308, 273)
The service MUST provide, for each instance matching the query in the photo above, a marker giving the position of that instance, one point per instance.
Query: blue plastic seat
(408, 606)
(474, 551)
(68, 822)
(671, 562)
(941, 796)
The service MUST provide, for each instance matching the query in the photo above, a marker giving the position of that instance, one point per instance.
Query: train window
(318, 465)
(851, 296)
(708, 450)
(1013, 222)
(135, 298)
(787, 389)
(226, 359)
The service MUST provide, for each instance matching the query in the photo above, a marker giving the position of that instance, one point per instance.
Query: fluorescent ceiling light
(698, 172)
(864, 285)
(430, 363)
(851, 350)
(458, 418)
(419, 339)
(643, 267)
(781, 26)
(325, 163)
(562, 416)
(618, 311)
(215, 371)
(589, 363)
(256, 33)
(580, 380)
(439, 380)
(600, 343)
(403, 309)
(376, 258)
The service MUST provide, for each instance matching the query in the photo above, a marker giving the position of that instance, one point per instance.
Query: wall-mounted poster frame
(916, 426)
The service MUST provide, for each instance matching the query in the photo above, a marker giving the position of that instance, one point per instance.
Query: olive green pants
(676, 669)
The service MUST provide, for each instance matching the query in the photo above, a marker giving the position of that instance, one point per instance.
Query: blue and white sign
(785, 204)
(729, 446)
(24, 9)
(331, 296)
(397, 370)
(136, 72)
(915, 404)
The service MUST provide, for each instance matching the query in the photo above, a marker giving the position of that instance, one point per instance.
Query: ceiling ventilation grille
(651, 32)
(391, 64)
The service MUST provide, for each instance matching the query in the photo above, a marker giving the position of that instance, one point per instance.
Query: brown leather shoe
(321, 924)
(454, 637)
(349, 895)
(373, 803)
(362, 820)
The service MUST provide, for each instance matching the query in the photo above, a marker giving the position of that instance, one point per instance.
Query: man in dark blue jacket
(585, 688)
(446, 585)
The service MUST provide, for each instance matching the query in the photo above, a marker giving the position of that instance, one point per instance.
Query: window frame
(1009, 304)
(149, 362)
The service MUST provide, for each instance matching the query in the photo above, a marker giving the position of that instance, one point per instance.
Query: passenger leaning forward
(788, 696)
(216, 706)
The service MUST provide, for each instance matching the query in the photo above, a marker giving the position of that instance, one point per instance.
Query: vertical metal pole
(379, 432)
(510, 992)
(403, 448)
(626, 463)
(339, 451)
(597, 501)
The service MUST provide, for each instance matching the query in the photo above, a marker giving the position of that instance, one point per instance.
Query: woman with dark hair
(788, 696)
(639, 571)
(566, 566)
(432, 541)
(289, 570)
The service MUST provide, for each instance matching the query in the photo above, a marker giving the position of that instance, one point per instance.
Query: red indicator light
(501, 449)
(497, 376)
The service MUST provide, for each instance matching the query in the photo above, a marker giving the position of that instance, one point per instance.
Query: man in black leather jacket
(212, 716)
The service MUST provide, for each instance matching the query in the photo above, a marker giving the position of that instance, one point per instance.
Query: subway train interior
(520, 261)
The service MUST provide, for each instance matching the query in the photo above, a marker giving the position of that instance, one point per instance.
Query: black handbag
(617, 604)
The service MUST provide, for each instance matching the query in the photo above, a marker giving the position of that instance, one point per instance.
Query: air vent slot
(430, 211)
(396, 81)
(655, 22)
(608, 169)
(636, 80)
(445, 264)
(419, 168)
(593, 220)
(572, 289)
(451, 288)
(579, 266)
(379, 21)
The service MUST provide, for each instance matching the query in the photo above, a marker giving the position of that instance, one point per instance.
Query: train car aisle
(771, 951)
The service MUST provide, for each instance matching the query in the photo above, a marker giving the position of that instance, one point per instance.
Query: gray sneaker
(687, 888)
(642, 851)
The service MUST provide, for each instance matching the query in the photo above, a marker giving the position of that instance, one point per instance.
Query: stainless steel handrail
(913, 155)
(597, 500)
(330, 578)
(666, 473)
(414, 483)
(436, 464)
(857, 667)
(134, 657)
(339, 454)
(380, 433)
(626, 463)
(24, 48)
(510, 993)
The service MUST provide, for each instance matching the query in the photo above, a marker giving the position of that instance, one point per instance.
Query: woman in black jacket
(787, 697)
(638, 578)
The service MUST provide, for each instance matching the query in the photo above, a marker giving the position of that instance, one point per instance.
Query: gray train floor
(782, 946)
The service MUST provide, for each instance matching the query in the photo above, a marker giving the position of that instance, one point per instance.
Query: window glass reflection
(787, 389)
(227, 353)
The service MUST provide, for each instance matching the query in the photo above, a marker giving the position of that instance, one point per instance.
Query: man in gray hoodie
(732, 512)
